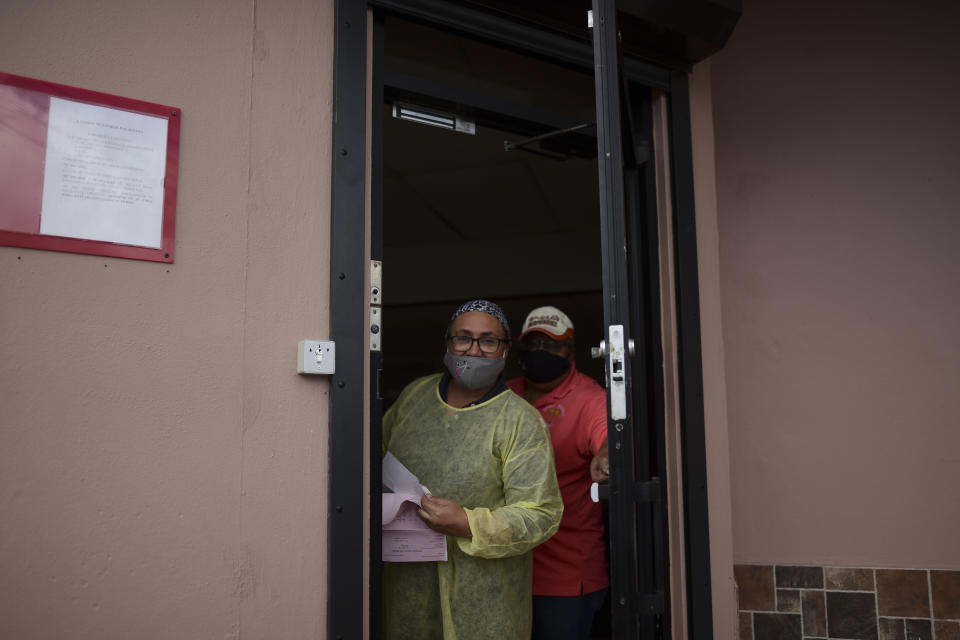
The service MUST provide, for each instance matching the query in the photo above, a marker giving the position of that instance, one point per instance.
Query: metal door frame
(349, 303)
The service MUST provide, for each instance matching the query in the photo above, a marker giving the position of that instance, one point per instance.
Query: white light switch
(316, 357)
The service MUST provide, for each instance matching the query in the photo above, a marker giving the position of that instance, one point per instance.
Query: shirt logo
(553, 411)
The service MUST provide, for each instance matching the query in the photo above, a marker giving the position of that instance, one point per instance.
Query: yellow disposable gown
(495, 460)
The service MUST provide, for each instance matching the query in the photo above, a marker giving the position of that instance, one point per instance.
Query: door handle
(599, 352)
(616, 372)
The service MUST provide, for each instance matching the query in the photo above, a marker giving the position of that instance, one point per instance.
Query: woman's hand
(445, 516)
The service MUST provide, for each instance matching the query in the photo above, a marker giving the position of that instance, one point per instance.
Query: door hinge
(376, 296)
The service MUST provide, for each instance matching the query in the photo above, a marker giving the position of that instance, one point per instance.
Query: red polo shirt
(574, 560)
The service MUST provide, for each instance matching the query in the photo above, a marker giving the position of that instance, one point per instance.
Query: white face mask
(473, 372)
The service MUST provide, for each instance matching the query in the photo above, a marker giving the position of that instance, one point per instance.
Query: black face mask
(542, 366)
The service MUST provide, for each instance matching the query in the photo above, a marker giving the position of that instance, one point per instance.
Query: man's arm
(600, 465)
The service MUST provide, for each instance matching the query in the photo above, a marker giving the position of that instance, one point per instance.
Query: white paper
(103, 174)
(407, 538)
(398, 478)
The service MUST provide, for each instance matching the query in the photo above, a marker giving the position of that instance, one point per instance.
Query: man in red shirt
(570, 576)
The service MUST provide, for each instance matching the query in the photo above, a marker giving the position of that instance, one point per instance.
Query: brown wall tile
(946, 594)
(848, 579)
(755, 587)
(903, 593)
(776, 626)
(919, 630)
(892, 629)
(851, 615)
(799, 577)
(746, 626)
(788, 600)
(903, 599)
(814, 614)
(946, 629)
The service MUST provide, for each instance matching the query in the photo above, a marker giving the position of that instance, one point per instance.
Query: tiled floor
(778, 602)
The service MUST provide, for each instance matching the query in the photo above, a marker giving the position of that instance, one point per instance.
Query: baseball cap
(549, 320)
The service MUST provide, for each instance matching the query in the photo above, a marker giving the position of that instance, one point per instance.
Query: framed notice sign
(86, 172)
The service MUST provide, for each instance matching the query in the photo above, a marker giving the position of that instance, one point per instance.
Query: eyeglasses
(533, 343)
(488, 344)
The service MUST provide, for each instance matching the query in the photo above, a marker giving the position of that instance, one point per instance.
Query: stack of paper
(407, 538)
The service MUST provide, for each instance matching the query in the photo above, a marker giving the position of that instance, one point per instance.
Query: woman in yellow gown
(486, 457)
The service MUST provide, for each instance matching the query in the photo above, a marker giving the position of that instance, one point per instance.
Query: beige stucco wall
(837, 154)
(162, 466)
(711, 338)
(714, 386)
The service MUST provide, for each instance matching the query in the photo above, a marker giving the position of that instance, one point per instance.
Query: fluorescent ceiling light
(433, 117)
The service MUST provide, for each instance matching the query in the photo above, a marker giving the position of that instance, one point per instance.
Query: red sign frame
(20, 205)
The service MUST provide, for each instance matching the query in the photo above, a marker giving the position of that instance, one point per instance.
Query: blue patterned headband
(490, 308)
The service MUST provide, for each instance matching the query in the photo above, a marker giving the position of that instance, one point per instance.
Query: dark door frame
(349, 303)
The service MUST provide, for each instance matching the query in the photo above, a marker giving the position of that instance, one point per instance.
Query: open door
(631, 348)
(451, 156)
(626, 299)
